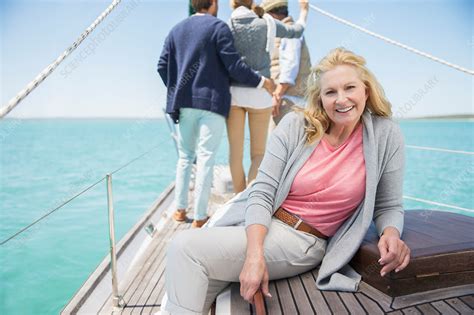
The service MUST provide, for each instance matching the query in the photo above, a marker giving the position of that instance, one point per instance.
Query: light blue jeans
(200, 133)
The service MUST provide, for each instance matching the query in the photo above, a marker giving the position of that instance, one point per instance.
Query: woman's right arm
(260, 204)
(254, 274)
(296, 30)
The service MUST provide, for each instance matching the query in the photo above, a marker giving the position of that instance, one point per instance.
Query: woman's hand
(394, 253)
(304, 5)
(269, 85)
(254, 275)
(276, 103)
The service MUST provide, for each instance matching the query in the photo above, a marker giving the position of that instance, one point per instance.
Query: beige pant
(202, 262)
(258, 125)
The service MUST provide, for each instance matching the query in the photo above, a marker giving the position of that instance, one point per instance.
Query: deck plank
(129, 285)
(395, 313)
(444, 308)
(459, 306)
(238, 306)
(370, 306)
(149, 283)
(273, 304)
(157, 295)
(136, 287)
(352, 303)
(427, 309)
(299, 294)
(469, 300)
(159, 290)
(335, 302)
(383, 300)
(434, 295)
(411, 311)
(147, 310)
(146, 284)
(286, 299)
(315, 295)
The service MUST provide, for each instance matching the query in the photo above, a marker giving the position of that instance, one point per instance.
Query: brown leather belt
(296, 223)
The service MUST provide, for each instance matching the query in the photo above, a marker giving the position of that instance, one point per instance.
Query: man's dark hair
(282, 11)
(199, 5)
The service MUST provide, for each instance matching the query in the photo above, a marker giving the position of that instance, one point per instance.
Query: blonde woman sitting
(327, 173)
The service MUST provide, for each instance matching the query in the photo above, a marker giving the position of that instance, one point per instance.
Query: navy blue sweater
(197, 63)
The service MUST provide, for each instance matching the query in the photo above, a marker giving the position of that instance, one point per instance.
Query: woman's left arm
(388, 212)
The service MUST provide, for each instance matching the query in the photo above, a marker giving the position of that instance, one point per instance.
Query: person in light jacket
(328, 173)
(254, 34)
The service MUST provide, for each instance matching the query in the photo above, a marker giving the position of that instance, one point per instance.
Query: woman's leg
(235, 133)
(258, 123)
(201, 263)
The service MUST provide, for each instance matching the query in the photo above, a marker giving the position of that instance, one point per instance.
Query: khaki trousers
(202, 262)
(258, 125)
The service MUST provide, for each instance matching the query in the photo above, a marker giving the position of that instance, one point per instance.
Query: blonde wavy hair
(317, 121)
(249, 4)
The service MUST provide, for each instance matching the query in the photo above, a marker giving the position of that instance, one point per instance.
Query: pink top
(330, 185)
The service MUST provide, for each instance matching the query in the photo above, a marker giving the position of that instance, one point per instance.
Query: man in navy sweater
(197, 63)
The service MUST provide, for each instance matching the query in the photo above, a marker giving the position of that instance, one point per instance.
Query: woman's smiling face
(343, 95)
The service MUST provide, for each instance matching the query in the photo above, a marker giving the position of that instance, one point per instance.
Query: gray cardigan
(250, 38)
(287, 152)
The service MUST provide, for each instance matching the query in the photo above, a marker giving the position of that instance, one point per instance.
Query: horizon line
(449, 116)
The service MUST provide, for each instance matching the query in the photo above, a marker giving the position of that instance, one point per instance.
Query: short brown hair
(199, 5)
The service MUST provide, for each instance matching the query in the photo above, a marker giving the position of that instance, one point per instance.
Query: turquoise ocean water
(44, 162)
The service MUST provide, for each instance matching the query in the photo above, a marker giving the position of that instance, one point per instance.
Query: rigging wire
(391, 41)
(49, 69)
(79, 193)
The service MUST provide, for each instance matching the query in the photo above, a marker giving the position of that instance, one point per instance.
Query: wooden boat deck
(143, 290)
(299, 295)
(141, 283)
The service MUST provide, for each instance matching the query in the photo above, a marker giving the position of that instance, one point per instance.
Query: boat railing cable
(24, 229)
(49, 69)
(438, 149)
(431, 202)
(391, 41)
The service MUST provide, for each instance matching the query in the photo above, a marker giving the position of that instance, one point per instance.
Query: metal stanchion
(116, 298)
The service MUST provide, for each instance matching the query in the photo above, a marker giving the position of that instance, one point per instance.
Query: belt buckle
(297, 224)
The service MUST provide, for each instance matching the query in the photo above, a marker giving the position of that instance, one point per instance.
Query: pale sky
(113, 73)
